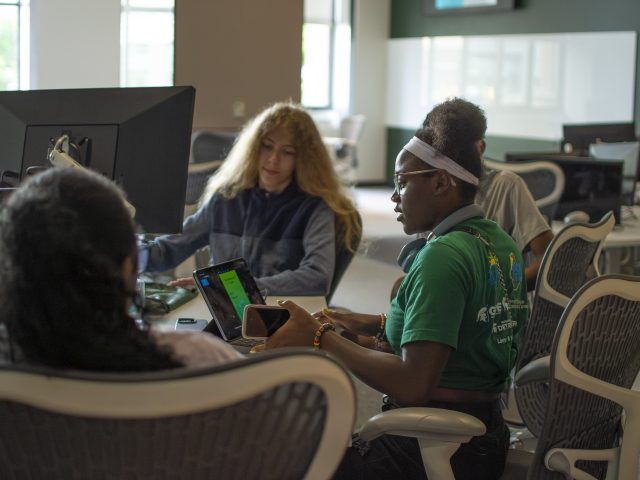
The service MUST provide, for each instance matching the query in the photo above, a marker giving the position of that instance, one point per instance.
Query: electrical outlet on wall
(238, 109)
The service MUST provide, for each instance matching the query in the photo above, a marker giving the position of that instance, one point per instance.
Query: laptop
(226, 288)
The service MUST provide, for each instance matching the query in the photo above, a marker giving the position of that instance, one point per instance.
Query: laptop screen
(227, 288)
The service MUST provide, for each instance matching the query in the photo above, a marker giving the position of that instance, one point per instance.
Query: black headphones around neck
(408, 253)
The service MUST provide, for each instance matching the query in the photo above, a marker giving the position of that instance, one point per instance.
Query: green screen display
(235, 290)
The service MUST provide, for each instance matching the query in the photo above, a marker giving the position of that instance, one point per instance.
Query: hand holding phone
(262, 321)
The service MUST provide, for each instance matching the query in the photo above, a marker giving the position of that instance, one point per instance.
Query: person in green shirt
(453, 325)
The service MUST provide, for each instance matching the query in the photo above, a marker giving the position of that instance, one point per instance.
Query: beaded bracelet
(325, 327)
(381, 336)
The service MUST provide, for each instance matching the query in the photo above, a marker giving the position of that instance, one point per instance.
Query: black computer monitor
(592, 186)
(580, 136)
(629, 154)
(139, 137)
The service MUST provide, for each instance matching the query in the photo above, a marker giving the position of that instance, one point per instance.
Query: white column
(370, 37)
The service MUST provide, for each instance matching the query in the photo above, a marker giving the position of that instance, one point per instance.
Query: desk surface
(627, 234)
(197, 308)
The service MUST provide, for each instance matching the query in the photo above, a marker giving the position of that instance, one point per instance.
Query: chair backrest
(571, 259)
(208, 145)
(344, 256)
(260, 417)
(594, 362)
(197, 177)
(545, 181)
(208, 151)
(351, 127)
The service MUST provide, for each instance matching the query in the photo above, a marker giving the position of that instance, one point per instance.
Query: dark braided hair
(454, 127)
(64, 237)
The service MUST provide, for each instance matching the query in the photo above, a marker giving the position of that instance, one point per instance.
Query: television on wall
(442, 7)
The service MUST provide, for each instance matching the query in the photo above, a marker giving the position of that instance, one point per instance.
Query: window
(326, 54)
(14, 44)
(146, 43)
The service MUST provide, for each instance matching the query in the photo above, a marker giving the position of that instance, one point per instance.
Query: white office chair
(343, 148)
(281, 414)
(545, 181)
(591, 427)
(571, 260)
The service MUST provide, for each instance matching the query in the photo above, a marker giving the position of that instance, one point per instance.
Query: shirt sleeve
(435, 291)
(196, 349)
(168, 251)
(315, 271)
(528, 221)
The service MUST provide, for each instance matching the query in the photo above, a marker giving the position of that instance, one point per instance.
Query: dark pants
(391, 456)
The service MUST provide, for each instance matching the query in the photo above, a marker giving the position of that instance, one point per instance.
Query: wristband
(325, 327)
(381, 336)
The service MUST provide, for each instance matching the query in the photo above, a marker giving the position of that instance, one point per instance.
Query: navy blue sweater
(287, 239)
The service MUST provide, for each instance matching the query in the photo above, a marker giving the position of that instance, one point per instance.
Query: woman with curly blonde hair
(277, 202)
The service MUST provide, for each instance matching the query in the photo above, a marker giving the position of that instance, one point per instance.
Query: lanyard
(492, 254)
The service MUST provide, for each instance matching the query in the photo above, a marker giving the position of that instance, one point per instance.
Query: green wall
(530, 16)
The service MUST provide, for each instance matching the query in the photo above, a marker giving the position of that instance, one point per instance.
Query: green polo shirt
(452, 294)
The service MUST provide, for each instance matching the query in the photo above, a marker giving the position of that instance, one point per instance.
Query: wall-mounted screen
(438, 7)
(529, 85)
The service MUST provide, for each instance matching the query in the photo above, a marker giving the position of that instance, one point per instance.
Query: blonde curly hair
(314, 173)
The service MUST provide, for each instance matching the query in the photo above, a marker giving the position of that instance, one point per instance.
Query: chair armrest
(425, 423)
(563, 460)
(204, 166)
(537, 371)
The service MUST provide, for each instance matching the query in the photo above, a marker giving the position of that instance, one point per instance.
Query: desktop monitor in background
(577, 138)
(593, 186)
(138, 137)
(629, 153)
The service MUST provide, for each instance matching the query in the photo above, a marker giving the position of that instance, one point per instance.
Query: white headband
(430, 155)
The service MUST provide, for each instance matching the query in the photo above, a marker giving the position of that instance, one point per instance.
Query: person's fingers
(258, 348)
(183, 282)
(297, 331)
(334, 314)
(339, 319)
(291, 306)
(280, 338)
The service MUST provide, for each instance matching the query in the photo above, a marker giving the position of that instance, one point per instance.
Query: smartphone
(191, 324)
(262, 321)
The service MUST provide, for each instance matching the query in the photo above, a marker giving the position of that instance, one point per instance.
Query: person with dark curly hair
(503, 195)
(68, 261)
(452, 326)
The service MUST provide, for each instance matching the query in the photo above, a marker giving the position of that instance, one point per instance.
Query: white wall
(371, 23)
(75, 43)
(238, 52)
(528, 84)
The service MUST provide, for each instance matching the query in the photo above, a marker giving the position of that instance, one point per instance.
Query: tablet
(227, 288)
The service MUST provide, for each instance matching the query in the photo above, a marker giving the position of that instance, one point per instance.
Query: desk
(625, 235)
(197, 308)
